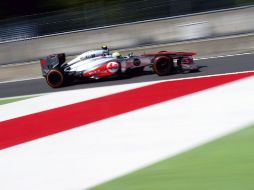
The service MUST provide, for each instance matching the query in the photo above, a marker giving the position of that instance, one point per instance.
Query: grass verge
(11, 100)
(224, 164)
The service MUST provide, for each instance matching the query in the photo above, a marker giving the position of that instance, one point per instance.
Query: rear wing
(52, 61)
(171, 54)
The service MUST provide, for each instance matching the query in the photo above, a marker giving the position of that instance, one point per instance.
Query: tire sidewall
(165, 71)
(59, 73)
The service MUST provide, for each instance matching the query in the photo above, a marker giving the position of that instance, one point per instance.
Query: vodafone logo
(112, 67)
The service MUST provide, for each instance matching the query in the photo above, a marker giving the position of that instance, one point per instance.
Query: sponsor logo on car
(112, 67)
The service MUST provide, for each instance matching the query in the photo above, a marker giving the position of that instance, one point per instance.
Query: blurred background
(33, 29)
(72, 27)
(28, 18)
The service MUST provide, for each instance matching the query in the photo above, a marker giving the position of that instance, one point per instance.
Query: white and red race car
(97, 64)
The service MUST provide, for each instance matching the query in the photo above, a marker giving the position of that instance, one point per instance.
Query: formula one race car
(97, 64)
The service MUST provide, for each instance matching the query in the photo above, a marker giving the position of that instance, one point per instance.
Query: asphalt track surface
(220, 65)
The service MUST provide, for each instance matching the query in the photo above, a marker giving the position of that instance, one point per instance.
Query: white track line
(18, 64)
(224, 56)
(20, 80)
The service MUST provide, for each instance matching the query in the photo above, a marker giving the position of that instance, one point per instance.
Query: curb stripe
(38, 125)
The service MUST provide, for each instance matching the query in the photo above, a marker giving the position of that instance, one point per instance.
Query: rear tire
(55, 78)
(163, 65)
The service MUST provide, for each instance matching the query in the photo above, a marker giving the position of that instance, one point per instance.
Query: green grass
(11, 100)
(224, 164)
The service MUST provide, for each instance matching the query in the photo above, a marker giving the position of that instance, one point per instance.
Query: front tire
(163, 65)
(55, 78)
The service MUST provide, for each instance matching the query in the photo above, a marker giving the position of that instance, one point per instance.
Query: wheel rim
(55, 78)
(162, 66)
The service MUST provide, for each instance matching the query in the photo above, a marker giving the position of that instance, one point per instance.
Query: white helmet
(104, 47)
(116, 54)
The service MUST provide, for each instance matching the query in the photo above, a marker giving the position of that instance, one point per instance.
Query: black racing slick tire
(55, 78)
(163, 65)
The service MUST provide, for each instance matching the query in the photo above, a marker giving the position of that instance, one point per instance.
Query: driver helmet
(105, 50)
(116, 54)
(104, 47)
